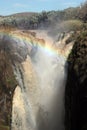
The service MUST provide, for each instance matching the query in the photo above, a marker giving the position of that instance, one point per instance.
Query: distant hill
(45, 20)
(22, 14)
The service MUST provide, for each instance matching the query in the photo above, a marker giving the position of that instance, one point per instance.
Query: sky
(8, 7)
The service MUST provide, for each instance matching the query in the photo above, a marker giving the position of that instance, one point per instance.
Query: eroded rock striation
(12, 51)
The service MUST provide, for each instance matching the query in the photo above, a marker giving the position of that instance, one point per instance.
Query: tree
(83, 12)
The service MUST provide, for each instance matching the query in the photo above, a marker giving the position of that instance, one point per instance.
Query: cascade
(41, 71)
(38, 102)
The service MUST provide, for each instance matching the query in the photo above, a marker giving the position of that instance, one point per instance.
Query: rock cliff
(76, 87)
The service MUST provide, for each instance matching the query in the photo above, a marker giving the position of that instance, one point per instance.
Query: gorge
(43, 69)
(40, 72)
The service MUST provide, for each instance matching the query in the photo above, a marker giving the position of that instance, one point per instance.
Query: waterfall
(38, 102)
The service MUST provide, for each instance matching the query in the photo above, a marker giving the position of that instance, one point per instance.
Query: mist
(50, 68)
(42, 78)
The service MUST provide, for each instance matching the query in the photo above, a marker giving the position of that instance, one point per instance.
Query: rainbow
(30, 39)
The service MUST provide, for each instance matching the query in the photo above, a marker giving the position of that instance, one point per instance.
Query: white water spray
(38, 103)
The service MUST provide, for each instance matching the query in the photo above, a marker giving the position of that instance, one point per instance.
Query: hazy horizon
(18, 6)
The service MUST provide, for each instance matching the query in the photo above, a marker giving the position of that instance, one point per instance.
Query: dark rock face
(15, 48)
(76, 87)
(7, 86)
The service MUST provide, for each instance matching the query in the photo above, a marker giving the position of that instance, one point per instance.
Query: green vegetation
(70, 25)
(45, 19)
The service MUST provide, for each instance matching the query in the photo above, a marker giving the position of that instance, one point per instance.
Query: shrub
(70, 25)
